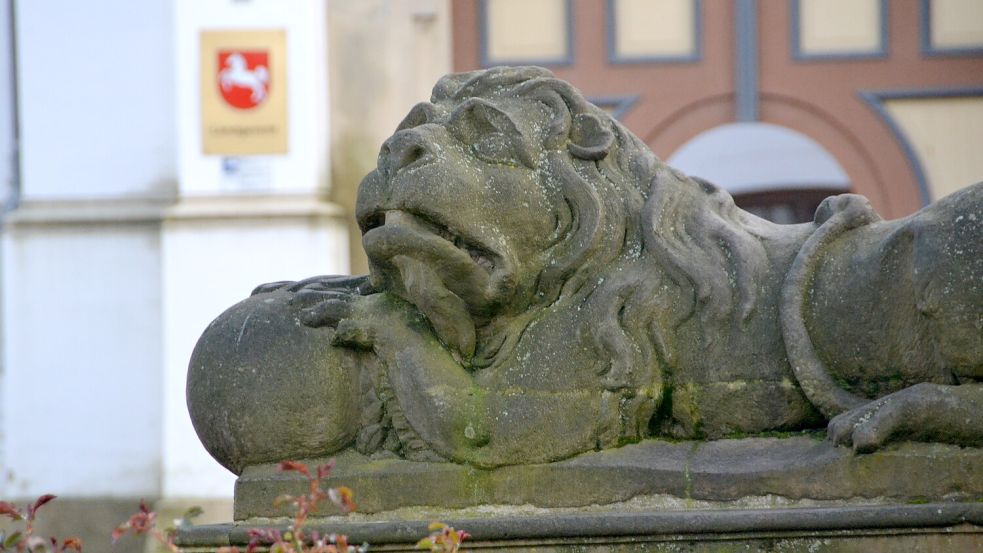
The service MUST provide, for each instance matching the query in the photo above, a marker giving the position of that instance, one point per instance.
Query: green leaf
(192, 513)
(12, 540)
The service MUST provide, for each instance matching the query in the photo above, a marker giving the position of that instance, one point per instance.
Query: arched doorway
(772, 171)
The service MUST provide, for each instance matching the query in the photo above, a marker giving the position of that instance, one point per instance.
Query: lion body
(542, 285)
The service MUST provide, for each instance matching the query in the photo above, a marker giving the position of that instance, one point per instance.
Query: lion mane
(639, 234)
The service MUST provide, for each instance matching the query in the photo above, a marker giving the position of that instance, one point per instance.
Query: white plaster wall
(220, 241)
(209, 266)
(96, 98)
(7, 161)
(81, 395)
(100, 314)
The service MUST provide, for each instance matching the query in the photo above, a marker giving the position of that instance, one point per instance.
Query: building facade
(125, 230)
(781, 102)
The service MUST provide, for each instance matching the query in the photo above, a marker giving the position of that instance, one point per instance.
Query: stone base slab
(868, 528)
(652, 475)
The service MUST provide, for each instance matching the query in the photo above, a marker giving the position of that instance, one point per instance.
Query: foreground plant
(294, 540)
(145, 522)
(442, 539)
(24, 540)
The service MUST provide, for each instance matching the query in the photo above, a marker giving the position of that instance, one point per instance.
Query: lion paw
(321, 300)
(923, 412)
(868, 427)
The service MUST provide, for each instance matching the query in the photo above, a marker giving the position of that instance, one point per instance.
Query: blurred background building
(137, 204)
(780, 102)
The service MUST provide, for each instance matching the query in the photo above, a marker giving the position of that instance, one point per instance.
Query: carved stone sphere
(262, 387)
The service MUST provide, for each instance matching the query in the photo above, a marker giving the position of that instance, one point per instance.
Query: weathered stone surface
(542, 286)
(259, 383)
(753, 472)
(888, 528)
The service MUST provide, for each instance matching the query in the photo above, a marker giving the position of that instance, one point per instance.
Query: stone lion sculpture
(541, 285)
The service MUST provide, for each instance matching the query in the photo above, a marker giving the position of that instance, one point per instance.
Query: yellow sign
(244, 92)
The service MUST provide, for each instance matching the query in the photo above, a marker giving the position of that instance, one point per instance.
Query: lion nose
(402, 149)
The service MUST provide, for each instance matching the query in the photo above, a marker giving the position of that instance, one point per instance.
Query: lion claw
(871, 426)
(920, 412)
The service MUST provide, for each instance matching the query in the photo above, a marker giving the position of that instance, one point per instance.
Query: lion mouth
(452, 281)
(479, 255)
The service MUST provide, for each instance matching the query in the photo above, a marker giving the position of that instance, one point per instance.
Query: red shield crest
(244, 77)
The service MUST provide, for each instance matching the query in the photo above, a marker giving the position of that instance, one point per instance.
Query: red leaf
(119, 531)
(41, 501)
(142, 522)
(259, 536)
(324, 470)
(72, 543)
(286, 466)
(10, 511)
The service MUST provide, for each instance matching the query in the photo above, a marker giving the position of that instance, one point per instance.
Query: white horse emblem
(237, 74)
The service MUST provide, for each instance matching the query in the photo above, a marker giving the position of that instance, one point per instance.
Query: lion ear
(590, 138)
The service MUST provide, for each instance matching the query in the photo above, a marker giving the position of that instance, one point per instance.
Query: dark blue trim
(876, 98)
(12, 201)
(619, 104)
(926, 37)
(798, 54)
(746, 60)
(483, 41)
(694, 56)
(915, 93)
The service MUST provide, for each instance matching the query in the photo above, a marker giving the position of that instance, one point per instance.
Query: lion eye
(494, 148)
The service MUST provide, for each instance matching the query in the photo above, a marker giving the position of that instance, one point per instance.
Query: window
(653, 30)
(839, 28)
(952, 27)
(537, 32)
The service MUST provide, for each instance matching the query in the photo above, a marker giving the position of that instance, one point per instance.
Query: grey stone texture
(544, 292)
(875, 528)
(751, 472)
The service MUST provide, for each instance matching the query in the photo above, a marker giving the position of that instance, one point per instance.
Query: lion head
(508, 193)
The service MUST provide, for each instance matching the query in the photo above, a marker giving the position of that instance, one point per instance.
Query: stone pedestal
(797, 493)
(927, 527)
